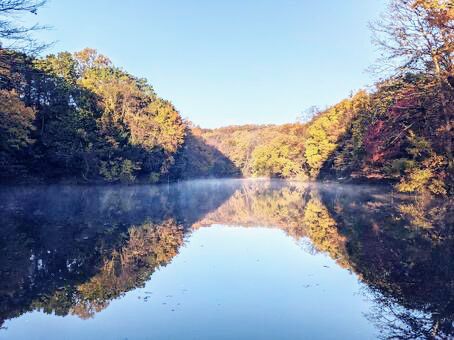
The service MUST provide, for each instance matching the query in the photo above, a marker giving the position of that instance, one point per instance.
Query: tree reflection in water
(71, 250)
(402, 249)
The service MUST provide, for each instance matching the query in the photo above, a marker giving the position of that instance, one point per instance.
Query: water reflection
(72, 250)
(402, 248)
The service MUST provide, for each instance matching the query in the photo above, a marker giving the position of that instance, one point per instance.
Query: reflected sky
(224, 259)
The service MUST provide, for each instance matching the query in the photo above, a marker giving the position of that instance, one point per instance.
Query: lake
(224, 259)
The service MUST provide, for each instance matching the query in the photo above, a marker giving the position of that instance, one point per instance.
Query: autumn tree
(93, 121)
(132, 117)
(326, 129)
(283, 156)
(418, 36)
(15, 132)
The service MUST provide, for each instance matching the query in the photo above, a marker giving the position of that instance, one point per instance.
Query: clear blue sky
(227, 62)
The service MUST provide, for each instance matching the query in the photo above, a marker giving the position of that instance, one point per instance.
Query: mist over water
(224, 259)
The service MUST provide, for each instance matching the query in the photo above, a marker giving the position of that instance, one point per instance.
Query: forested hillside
(78, 117)
(401, 134)
(398, 132)
(260, 150)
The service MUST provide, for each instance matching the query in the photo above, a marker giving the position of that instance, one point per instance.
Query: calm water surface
(224, 259)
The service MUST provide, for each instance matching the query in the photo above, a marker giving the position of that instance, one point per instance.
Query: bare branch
(411, 40)
(15, 36)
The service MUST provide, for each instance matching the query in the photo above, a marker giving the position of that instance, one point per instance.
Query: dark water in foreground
(224, 259)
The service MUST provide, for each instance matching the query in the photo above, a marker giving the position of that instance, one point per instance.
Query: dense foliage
(198, 159)
(398, 132)
(395, 133)
(405, 132)
(77, 115)
(261, 150)
(399, 135)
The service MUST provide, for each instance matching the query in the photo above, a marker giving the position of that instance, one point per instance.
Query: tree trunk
(444, 107)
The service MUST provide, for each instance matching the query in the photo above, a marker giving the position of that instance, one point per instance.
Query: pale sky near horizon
(227, 62)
